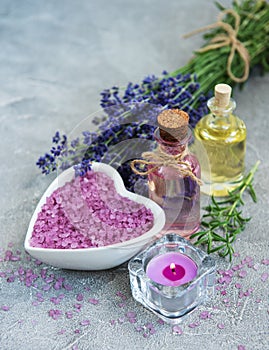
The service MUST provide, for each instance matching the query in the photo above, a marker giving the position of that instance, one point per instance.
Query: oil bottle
(174, 173)
(223, 136)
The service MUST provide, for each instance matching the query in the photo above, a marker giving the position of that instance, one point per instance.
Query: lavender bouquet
(234, 45)
(237, 42)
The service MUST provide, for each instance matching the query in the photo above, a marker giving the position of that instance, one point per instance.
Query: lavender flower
(180, 91)
(128, 114)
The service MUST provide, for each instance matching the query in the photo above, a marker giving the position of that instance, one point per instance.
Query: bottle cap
(173, 124)
(222, 95)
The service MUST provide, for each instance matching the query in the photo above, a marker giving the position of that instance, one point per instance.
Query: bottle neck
(220, 117)
(173, 148)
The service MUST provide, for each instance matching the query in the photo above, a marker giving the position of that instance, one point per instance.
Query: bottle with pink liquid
(175, 184)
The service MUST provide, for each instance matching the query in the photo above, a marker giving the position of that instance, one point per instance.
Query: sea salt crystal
(194, 325)
(5, 308)
(265, 261)
(69, 314)
(79, 297)
(131, 314)
(55, 314)
(221, 326)
(204, 315)
(85, 322)
(66, 219)
(242, 273)
(264, 276)
(177, 330)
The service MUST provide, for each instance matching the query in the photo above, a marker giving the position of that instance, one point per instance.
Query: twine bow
(227, 39)
(160, 158)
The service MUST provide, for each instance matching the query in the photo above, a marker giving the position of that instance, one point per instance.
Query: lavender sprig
(94, 147)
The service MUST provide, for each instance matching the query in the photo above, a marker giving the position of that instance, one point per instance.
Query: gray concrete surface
(55, 58)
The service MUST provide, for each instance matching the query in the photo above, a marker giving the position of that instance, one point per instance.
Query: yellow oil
(223, 139)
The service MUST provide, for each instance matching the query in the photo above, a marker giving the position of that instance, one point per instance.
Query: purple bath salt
(88, 212)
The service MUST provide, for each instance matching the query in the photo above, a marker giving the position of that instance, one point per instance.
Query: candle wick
(173, 268)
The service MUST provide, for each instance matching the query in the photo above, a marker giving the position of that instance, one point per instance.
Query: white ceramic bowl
(95, 258)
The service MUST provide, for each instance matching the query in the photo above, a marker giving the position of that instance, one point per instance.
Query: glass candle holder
(172, 277)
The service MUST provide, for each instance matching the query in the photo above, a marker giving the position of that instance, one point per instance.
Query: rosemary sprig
(223, 219)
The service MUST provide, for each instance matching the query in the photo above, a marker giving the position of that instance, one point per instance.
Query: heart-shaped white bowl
(95, 258)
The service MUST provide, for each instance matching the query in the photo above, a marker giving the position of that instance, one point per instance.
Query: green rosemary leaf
(234, 232)
(219, 6)
(224, 253)
(252, 193)
(217, 237)
(204, 223)
(217, 248)
(208, 208)
(240, 201)
(218, 224)
(215, 202)
(242, 220)
(202, 240)
(198, 234)
(232, 239)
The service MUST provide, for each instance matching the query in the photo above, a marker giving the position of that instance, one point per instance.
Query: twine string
(227, 39)
(154, 160)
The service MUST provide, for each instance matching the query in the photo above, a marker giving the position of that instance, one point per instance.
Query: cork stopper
(222, 95)
(173, 124)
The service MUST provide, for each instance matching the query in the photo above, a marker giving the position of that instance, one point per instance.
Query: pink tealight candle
(171, 269)
(171, 277)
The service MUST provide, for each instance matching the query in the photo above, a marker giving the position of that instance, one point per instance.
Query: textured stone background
(55, 58)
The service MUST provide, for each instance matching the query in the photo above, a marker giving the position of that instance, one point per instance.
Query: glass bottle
(177, 194)
(223, 136)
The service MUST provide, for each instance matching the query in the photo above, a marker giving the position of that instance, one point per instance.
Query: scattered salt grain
(194, 325)
(85, 322)
(69, 314)
(242, 273)
(241, 347)
(130, 314)
(121, 319)
(79, 297)
(55, 314)
(177, 330)
(264, 276)
(204, 315)
(5, 308)
(221, 326)
(121, 305)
